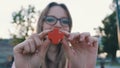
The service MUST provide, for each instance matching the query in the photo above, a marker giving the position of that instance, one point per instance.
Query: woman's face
(56, 18)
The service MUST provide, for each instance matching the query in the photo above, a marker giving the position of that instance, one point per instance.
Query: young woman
(75, 50)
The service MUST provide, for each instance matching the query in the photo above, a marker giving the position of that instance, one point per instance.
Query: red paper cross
(55, 36)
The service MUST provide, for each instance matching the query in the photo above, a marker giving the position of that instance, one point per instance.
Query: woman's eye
(50, 19)
(65, 21)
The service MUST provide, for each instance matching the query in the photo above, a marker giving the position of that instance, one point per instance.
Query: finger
(92, 41)
(37, 40)
(43, 34)
(19, 48)
(26, 48)
(95, 43)
(68, 50)
(74, 36)
(66, 33)
(32, 46)
(84, 35)
(32, 36)
(89, 41)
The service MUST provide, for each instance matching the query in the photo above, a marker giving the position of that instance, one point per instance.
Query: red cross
(55, 36)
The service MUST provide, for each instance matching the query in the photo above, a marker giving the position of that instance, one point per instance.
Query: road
(108, 66)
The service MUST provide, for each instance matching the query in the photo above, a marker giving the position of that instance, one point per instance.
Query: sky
(86, 14)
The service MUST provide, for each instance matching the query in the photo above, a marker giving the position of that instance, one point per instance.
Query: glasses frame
(57, 19)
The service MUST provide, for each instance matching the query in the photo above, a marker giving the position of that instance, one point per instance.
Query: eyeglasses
(53, 20)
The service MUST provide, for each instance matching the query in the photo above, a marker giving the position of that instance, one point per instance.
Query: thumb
(67, 48)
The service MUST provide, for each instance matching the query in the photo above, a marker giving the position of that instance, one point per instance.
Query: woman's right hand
(31, 52)
(83, 50)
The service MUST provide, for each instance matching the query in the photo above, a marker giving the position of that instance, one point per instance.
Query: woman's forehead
(57, 11)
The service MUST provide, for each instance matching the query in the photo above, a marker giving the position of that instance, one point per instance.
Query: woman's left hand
(83, 50)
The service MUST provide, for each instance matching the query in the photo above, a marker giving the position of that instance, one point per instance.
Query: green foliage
(110, 39)
(23, 21)
(16, 40)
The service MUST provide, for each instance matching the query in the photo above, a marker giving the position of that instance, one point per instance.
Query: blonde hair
(61, 59)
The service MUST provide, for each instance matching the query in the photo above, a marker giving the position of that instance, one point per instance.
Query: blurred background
(99, 17)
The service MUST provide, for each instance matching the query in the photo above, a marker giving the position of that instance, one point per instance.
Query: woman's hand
(31, 52)
(83, 50)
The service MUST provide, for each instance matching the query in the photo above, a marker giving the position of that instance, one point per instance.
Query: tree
(110, 39)
(23, 21)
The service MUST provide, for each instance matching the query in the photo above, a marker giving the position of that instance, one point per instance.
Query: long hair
(60, 58)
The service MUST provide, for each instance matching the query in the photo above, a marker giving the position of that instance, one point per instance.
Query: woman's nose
(58, 24)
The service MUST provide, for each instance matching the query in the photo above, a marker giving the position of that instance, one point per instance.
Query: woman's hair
(45, 12)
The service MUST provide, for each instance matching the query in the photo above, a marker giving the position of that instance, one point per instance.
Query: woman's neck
(53, 56)
(53, 52)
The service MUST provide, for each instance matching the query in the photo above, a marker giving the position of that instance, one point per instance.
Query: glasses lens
(50, 20)
(65, 21)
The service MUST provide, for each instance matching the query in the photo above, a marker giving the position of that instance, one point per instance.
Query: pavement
(108, 66)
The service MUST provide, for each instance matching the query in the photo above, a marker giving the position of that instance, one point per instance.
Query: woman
(75, 50)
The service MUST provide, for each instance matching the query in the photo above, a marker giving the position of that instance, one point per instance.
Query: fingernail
(81, 39)
(89, 43)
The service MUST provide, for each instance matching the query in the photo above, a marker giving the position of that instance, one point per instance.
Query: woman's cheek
(46, 26)
(66, 29)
